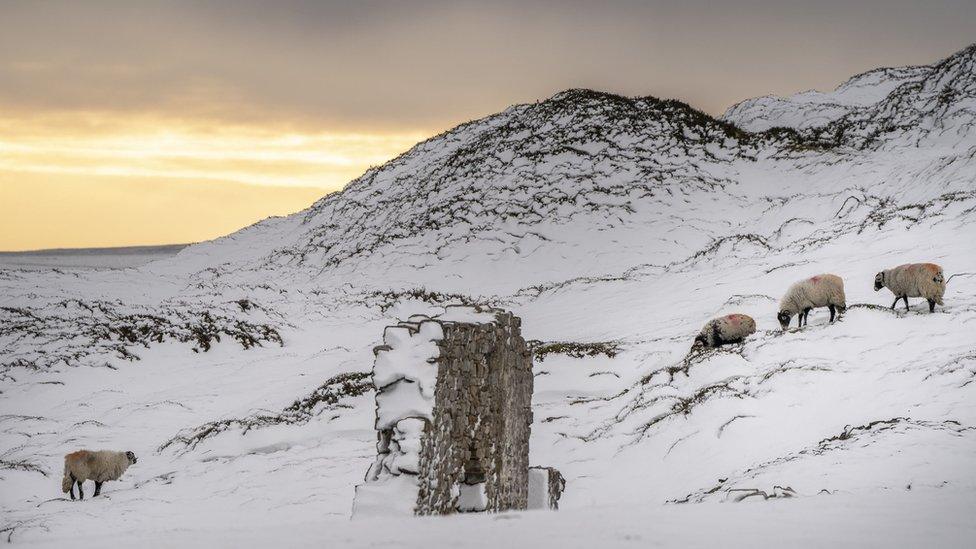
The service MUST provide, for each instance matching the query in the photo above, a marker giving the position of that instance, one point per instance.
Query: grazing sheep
(725, 329)
(913, 280)
(825, 290)
(98, 466)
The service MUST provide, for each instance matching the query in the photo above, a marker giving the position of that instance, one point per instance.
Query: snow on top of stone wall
(405, 370)
(462, 314)
(409, 354)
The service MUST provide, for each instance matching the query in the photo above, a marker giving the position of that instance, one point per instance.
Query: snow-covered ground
(898, 519)
(617, 226)
(85, 258)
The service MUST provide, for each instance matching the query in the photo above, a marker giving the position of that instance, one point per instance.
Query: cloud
(430, 64)
(146, 146)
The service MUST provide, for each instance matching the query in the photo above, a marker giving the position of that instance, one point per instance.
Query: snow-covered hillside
(895, 106)
(614, 227)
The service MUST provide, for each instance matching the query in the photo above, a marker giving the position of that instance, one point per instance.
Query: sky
(134, 123)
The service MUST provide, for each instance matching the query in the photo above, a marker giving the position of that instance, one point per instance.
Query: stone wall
(454, 413)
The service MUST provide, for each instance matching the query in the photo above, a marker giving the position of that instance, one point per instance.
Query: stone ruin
(453, 418)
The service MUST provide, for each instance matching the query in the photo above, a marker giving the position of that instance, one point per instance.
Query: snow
(538, 488)
(813, 108)
(855, 433)
(89, 258)
(389, 496)
(466, 315)
(906, 519)
(472, 497)
(402, 400)
(410, 357)
(407, 435)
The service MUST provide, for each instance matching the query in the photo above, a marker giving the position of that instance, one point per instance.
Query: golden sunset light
(107, 175)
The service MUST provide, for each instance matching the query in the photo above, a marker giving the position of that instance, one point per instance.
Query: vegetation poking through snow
(12, 527)
(871, 307)
(696, 355)
(536, 290)
(329, 396)
(387, 299)
(848, 435)
(884, 210)
(965, 362)
(921, 100)
(467, 176)
(777, 492)
(78, 331)
(540, 350)
(850, 431)
(20, 465)
(683, 405)
(716, 244)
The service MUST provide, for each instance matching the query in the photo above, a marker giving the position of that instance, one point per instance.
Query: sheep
(98, 466)
(824, 290)
(913, 280)
(725, 329)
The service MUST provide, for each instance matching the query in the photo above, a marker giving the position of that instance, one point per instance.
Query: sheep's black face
(131, 457)
(878, 281)
(784, 319)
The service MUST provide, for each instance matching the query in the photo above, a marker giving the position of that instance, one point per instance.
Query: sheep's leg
(72, 491)
(81, 492)
(806, 316)
(905, 297)
(98, 488)
(832, 311)
(931, 305)
(895, 303)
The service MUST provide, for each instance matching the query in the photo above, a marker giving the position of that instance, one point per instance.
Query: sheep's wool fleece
(916, 280)
(730, 328)
(99, 466)
(816, 291)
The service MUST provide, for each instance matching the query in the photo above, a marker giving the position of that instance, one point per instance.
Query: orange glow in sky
(124, 180)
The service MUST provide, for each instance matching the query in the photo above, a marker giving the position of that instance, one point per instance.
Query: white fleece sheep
(99, 466)
(824, 290)
(913, 280)
(731, 328)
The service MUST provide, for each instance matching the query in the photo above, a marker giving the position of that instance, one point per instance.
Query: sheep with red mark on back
(100, 466)
(824, 290)
(913, 280)
(731, 328)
